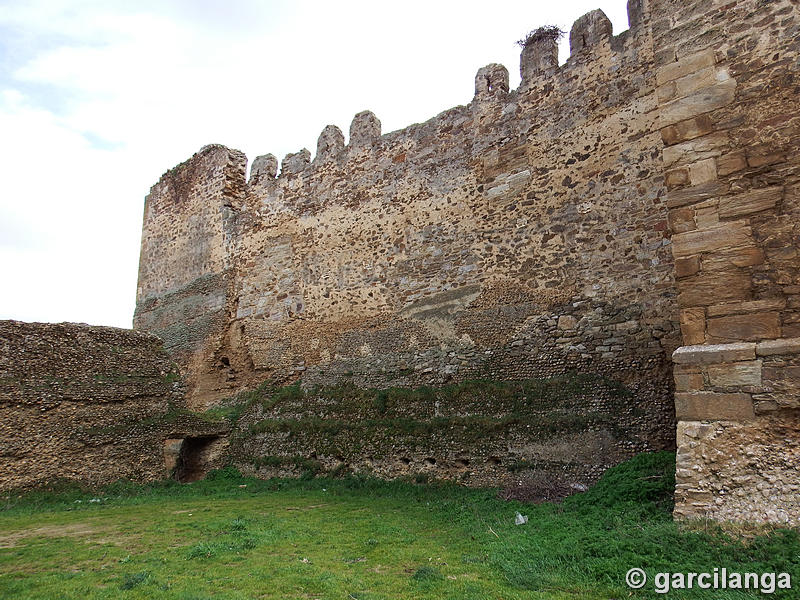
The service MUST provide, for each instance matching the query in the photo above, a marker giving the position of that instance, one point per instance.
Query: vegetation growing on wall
(466, 431)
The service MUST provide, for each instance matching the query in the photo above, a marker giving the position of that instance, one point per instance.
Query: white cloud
(97, 99)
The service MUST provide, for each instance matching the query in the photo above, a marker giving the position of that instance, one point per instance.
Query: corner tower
(183, 293)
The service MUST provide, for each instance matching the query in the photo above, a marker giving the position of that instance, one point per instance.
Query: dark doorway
(194, 458)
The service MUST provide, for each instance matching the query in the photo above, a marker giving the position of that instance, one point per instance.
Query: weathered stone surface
(701, 406)
(693, 325)
(711, 98)
(684, 267)
(365, 129)
(730, 163)
(591, 29)
(201, 188)
(750, 202)
(781, 381)
(538, 58)
(491, 82)
(688, 382)
(733, 258)
(687, 130)
(293, 164)
(735, 374)
(708, 146)
(685, 66)
(636, 13)
(707, 288)
(773, 347)
(676, 178)
(330, 144)
(704, 406)
(691, 83)
(702, 171)
(732, 308)
(567, 322)
(748, 327)
(682, 220)
(706, 214)
(720, 237)
(263, 169)
(172, 452)
(748, 469)
(695, 193)
(714, 353)
(764, 154)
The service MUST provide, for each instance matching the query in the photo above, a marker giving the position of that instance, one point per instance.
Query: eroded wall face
(728, 93)
(185, 271)
(83, 403)
(536, 439)
(521, 236)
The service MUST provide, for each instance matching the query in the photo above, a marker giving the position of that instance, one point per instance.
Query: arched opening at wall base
(192, 457)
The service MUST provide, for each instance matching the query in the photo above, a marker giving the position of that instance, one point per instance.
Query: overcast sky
(99, 98)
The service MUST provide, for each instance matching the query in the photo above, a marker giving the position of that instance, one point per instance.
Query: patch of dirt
(10, 540)
(380, 569)
(538, 490)
(309, 507)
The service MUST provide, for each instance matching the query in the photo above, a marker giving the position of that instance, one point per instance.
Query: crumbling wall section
(185, 269)
(537, 439)
(90, 404)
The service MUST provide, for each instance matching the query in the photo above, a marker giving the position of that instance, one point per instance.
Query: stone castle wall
(521, 236)
(87, 404)
(644, 193)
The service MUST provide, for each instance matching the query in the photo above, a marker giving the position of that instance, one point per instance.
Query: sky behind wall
(99, 98)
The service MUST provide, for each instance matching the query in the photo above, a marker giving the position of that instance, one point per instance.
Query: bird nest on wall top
(546, 32)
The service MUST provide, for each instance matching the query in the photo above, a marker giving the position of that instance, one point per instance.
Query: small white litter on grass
(520, 519)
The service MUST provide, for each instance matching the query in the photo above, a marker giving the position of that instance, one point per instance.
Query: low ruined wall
(91, 404)
(537, 438)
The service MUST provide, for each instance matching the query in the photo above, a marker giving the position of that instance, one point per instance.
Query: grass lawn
(230, 537)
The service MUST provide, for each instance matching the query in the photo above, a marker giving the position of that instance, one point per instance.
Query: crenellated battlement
(590, 32)
(590, 40)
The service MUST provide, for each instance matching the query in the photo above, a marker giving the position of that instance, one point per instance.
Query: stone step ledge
(706, 354)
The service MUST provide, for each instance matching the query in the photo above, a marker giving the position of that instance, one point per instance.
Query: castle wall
(90, 404)
(521, 236)
(728, 93)
(475, 230)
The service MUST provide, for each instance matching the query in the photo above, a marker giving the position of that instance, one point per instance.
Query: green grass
(230, 537)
